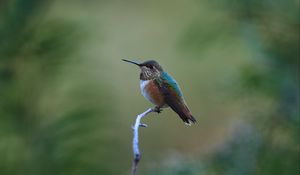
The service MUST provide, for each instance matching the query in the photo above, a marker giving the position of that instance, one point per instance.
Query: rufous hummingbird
(162, 90)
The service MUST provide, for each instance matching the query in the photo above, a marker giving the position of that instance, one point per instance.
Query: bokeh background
(67, 101)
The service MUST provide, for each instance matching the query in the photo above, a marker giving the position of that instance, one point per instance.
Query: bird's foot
(157, 109)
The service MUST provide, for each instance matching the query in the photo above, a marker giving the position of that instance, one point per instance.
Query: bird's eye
(150, 66)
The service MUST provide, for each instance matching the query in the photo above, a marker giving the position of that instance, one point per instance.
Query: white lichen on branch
(135, 141)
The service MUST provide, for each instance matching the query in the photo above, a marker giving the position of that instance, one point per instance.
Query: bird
(158, 87)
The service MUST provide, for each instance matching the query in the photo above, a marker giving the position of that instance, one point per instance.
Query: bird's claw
(157, 109)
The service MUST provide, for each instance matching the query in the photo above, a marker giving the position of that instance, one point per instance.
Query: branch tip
(143, 125)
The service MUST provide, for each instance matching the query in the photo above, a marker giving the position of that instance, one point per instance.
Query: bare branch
(135, 142)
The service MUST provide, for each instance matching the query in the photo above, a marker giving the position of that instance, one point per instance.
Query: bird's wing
(174, 98)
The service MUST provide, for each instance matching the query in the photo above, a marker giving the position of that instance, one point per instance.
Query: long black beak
(133, 62)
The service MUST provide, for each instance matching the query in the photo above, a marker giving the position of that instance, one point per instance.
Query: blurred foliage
(57, 118)
(36, 135)
(277, 76)
(270, 145)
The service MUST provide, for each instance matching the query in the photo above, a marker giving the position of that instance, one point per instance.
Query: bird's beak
(133, 62)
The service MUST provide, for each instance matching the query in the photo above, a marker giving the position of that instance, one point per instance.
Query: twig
(135, 142)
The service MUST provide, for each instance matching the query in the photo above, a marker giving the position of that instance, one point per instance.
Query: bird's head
(149, 69)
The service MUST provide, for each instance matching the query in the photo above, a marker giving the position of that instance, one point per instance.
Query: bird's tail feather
(187, 116)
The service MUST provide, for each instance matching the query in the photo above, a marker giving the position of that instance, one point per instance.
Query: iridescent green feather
(171, 83)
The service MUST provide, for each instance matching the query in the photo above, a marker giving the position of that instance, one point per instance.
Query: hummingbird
(158, 87)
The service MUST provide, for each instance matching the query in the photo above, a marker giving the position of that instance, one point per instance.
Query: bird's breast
(151, 92)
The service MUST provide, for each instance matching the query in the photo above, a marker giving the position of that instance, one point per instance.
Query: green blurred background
(67, 101)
